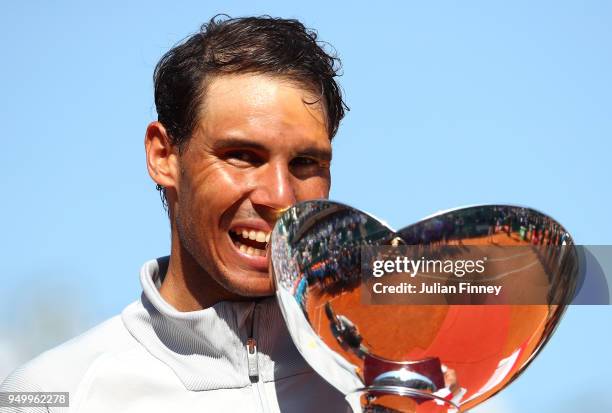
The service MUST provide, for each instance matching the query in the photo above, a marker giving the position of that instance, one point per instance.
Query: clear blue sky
(451, 104)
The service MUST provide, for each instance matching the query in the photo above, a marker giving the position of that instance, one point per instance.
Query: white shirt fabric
(153, 358)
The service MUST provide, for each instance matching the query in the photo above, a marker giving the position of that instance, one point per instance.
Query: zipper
(253, 365)
(252, 359)
(251, 347)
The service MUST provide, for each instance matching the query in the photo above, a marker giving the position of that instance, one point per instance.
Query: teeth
(259, 236)
(250, 250)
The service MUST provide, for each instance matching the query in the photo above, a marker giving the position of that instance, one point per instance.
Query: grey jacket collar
(207, 348)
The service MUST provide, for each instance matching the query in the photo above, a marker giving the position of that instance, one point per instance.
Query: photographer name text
(435, 288)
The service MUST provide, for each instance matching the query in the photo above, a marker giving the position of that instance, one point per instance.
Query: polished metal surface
(425, 356)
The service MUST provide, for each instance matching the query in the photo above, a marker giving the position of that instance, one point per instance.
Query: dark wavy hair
(224, 45)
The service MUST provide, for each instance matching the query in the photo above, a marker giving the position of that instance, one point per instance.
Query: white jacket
(154, 358)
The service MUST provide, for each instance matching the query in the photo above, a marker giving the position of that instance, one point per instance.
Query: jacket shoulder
(63, 367)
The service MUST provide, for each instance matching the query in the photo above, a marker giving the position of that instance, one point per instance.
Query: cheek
(219, 190)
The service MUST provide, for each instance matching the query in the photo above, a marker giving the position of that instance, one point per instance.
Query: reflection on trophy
(436, 317)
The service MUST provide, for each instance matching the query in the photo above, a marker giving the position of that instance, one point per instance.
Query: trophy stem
(398, 399)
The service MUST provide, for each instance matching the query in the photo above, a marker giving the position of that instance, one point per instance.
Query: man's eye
(304, 161)
(243, 157)
(304, 166)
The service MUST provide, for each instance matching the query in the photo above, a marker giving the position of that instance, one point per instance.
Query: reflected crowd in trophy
(325, 255)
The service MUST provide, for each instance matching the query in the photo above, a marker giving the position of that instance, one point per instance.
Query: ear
(162, 161)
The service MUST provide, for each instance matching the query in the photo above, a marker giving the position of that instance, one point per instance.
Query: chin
(251, 285)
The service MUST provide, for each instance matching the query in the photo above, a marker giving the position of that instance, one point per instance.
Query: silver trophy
(426, 348)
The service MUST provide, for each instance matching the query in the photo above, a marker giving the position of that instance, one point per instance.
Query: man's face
(257, 149)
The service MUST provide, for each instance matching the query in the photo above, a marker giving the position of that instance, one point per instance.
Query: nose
(274, 188)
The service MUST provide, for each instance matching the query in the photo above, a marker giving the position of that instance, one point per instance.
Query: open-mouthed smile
(250, 241)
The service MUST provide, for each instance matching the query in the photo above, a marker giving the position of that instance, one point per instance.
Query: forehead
(262, 108)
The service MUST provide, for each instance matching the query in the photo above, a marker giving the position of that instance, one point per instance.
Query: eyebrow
(231, 143)
(234, 142)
